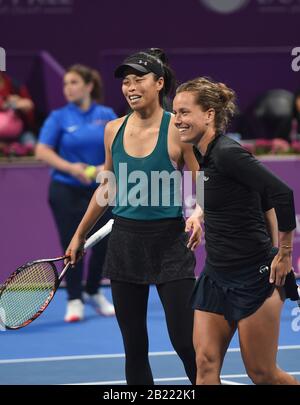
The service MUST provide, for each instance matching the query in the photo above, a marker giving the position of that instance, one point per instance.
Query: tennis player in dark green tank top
(157, 160)
(149, 242)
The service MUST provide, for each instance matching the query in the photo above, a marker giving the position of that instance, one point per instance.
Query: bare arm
(193, 223)
(20, 103)
(193, 166)
(282, 263)
(285, 242)
(48, 155)
(94, 210)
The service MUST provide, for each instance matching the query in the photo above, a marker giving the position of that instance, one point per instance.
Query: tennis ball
(90, 172)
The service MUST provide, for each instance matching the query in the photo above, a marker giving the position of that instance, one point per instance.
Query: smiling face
(141, 91)
(75, 88)
(190, 119)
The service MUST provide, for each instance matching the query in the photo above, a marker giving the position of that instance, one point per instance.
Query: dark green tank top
(148, 188)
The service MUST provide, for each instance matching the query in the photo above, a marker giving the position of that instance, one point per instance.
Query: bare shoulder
(181, 152)
(175, 137)
(173, 131)
(112, 128)
(174, 144)
(114, 125)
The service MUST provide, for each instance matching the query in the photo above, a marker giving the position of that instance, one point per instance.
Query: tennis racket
(28, 291)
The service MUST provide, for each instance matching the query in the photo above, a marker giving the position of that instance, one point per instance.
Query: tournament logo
(224, 7)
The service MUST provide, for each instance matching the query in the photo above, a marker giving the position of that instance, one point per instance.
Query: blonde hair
(210, 94)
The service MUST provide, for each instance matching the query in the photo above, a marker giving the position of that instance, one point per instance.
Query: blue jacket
(77, 136)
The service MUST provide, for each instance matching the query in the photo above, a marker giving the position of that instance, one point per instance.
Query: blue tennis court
(49, 351)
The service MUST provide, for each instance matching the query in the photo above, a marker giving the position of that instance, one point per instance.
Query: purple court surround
(27, 230)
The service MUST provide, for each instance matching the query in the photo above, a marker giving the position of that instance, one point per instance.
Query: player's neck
(206, 139)
(84, 104)
(147, 118)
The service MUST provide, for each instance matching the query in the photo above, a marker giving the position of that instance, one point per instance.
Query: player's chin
(185, 138)
(136, 107)
(185, 134)
(70, 98)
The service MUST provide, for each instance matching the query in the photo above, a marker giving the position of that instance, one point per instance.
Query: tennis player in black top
(242, 284)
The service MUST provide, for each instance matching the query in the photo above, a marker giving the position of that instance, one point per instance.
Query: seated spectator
(16, 112)
(268, 116)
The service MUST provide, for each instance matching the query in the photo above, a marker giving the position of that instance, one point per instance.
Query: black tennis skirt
(148, 252)
(234, 294)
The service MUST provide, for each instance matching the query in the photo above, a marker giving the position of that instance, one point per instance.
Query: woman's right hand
(75, 250)
(280, 267)
(77, 170)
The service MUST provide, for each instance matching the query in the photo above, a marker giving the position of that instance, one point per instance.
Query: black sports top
(235, 186)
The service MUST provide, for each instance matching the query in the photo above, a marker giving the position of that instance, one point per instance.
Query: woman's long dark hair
(169, 76)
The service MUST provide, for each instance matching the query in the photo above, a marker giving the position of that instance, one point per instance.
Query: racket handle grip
(97, 236)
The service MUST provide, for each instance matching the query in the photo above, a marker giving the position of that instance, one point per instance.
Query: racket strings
(26, 293)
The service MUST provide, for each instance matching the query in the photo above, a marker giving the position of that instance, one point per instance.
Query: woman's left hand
(280, 268)
(193, 224)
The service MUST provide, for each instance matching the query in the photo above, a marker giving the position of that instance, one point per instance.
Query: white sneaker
(100, 303)
(75, 310)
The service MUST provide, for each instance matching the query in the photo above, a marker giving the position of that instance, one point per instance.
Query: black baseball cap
(143, 63)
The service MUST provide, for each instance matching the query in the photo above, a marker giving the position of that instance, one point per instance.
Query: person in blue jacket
(71, 141)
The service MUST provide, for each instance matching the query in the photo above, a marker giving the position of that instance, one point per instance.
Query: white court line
(246, 375)
(156, 380)
(80, 357)
(117, 355)
(226, 382)
(112, 382)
